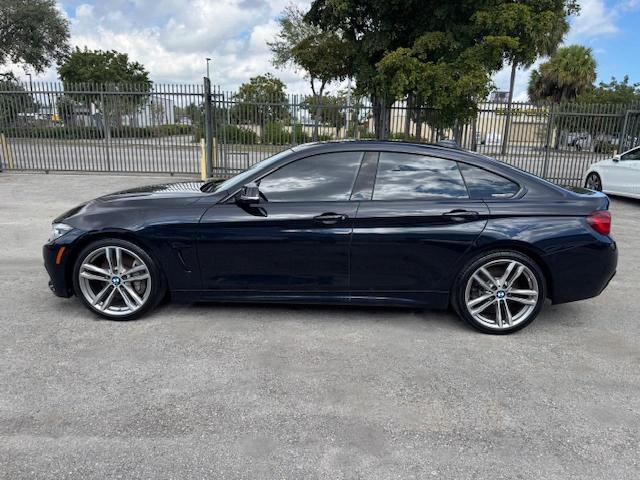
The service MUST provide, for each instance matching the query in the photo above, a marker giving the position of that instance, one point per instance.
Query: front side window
(632, 155)
(320, 178)
(404, 176)
(484, 185)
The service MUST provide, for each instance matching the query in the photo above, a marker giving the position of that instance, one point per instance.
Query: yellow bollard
(6, 151)
(203, 161)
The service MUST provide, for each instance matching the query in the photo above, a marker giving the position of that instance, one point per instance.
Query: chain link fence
(185, 129)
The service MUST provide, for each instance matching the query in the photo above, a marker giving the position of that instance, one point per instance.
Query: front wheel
(499, 292)
(593, 182)
(117, 279)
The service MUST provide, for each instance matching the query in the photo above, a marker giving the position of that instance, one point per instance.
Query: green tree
(14, 101)
(443, 53)
(260, 101)
(328, 109)
(538, 29)
(32, 33)
(323, 55)
(612, 92)
(97, 72)
(569, 73)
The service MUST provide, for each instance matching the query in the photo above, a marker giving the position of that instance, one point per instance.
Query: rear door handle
(329, 218)
(460, 214)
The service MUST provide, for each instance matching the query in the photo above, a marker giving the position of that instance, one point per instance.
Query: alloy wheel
(114, 280)
(502, 294)
(593, 182)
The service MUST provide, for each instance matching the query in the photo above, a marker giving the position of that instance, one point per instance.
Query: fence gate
(101, 128)
(169, 128)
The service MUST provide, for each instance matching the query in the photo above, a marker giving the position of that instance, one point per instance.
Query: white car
(619, 175)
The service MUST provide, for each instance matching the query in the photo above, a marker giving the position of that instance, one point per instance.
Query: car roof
(452, 152)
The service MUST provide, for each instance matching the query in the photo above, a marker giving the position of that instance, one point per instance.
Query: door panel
(277, 246)
(413, 247)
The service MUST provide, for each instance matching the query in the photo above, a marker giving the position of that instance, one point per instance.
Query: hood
(136, 202)
(180, 189)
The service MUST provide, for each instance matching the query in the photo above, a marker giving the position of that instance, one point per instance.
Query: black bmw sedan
(365, 223)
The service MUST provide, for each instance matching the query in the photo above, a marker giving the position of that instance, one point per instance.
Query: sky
(172, 38)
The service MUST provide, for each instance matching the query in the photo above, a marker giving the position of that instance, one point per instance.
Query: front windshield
(238, 180)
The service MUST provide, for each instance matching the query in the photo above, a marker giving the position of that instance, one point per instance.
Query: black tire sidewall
(458, 300)
(157, 280)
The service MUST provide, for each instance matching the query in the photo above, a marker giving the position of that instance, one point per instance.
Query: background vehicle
(367, 223)
(619, 175)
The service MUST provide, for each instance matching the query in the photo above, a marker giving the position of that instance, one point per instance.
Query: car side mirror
(616, 158)
(249, 194)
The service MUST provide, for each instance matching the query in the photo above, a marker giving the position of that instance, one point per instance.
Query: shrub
(237, 134)
(602, 146)
(275, 134)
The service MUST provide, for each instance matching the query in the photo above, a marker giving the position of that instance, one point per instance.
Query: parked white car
(619, 175)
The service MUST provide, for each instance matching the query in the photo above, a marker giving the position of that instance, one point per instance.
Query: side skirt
(436, 300)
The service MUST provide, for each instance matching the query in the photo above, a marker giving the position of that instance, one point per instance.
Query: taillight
(600, 221)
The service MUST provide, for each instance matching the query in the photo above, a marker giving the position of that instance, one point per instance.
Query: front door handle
(330, 218)
(460, 215)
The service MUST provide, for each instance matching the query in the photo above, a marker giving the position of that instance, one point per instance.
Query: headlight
(58, 230)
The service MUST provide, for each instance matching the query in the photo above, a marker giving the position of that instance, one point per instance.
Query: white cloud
(502, 79)
(594, 20)
(171, 38)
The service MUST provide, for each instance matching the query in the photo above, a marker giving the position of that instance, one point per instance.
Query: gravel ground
(269, 392)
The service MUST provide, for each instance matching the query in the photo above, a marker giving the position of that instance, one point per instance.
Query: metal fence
(183, 129)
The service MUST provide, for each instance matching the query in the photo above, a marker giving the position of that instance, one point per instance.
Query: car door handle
(329, 218)
(460, 215)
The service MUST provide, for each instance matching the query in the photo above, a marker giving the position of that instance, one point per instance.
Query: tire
(117, 279)
(505, 310)
(593, 182)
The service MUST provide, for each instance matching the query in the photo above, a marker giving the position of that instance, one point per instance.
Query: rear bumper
(582, 272)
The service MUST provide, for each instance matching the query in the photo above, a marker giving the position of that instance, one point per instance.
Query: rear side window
(404, 176)
(486, 185)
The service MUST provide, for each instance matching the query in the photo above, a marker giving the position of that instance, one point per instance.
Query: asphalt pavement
(291, 392)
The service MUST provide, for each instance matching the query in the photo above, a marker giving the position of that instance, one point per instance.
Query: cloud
(502, 79)
(594, 20)
(171, 38)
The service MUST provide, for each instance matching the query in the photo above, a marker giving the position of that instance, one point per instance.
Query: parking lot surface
(218, 391)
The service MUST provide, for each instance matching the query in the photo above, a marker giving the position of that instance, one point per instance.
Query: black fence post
(548, 138)
(208, 128)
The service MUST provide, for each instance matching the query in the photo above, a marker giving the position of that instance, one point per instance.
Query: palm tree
(568, 73)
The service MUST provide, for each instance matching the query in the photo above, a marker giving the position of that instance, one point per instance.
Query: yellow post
(6, 151)
(203, 161)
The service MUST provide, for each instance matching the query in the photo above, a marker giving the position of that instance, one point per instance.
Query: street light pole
(208, 60)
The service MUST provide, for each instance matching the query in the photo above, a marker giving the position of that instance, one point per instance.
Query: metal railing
(177, 129)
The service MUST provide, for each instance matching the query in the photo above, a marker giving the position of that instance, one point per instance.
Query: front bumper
(58, 261)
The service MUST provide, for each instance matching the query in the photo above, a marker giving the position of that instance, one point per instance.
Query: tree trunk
(507, 120)
(407, 118)
(381, 117)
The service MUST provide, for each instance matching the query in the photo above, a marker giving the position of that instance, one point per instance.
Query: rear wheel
(499, 292)
(594, 182)
(117, 279)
